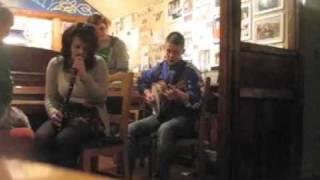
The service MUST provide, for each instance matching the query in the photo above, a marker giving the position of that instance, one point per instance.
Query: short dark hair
(96, 19)
(175, 38)
(87, 34)
(6, 15)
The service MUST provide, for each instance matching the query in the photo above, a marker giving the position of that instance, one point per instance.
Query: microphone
(74, 73)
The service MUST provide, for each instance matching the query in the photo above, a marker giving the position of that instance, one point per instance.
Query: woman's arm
(52, 98)
(96, 83)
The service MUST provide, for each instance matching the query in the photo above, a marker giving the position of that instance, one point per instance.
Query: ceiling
(117, 8)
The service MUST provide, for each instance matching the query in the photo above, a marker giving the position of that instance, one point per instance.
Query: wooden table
(16, 169)
(16, 164)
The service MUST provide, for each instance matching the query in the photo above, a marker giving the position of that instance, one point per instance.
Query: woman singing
(83, 76)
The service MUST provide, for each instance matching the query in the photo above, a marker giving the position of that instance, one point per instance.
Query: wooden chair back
(118, 105)
(119, 101)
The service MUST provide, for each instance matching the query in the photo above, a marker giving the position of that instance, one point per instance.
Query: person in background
(111, 48)
(6, 21)
(177, 114)
(71, 124)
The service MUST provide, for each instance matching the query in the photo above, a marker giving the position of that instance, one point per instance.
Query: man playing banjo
(175, 117)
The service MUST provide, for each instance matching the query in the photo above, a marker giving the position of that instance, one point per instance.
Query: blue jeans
(168, 133)
(61, 147)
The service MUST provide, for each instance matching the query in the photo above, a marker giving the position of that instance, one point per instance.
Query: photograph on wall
(204, 60)
(198, 3)
(263, 6)
(187, 18)
(128, 22)
(144, 58)
(174, 9)
(217, 3)
(187, 6)
(216, 56)
(26, 31)
(204, 13)
(155, 54)
(245, 21)
(158, 16)
(216, 30)
(269, 29)
(188, 46)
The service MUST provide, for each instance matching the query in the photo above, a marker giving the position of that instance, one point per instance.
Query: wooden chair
(197, 140)
(120, 85)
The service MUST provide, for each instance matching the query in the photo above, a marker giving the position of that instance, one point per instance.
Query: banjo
(159, 88)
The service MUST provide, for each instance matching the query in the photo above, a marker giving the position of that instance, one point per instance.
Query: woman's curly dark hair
(86, 33)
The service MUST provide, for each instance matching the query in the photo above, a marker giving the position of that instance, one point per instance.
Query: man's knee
(65, 141)
(42, 137)
(165, 136)
(132, 129)
(165, 129)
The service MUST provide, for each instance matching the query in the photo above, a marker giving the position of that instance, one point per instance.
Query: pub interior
(247, 108)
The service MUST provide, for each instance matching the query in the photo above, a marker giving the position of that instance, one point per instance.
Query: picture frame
(217, 3)
(204, 60)
(26, 32)
(216, 30)
(246, 25)
(269, 29)
(264, 6)
(187, 6)
(174, 9)
(215, 56)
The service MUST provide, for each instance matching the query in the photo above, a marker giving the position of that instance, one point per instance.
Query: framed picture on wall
(26, 32)
(217, 3)
(187, 6)
(263, 6)
(269, 29)
(216, 30)
(174, 9)
(245, 21)
(204, 60)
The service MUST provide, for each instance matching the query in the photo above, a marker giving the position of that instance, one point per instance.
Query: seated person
(177, 114)
(10, 117)
(111, 48)
(82, 76)
(6, 21)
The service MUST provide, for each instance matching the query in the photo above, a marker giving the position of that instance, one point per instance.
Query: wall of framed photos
(265, 22)
(144, 32)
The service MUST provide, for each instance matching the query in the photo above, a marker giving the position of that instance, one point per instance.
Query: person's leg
(44, 142)
(168, 133)
(68, 143)
(136, 131)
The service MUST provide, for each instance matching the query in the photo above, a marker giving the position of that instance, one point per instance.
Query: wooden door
(260, 105)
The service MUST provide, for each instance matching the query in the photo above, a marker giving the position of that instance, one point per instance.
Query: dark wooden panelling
(265, 129)
(28, 67)
(266, 70)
